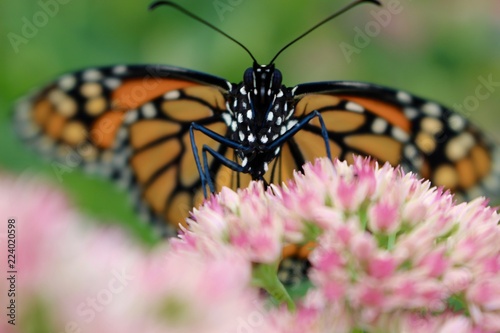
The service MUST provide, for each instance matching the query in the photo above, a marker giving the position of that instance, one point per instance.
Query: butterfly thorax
(260, 108)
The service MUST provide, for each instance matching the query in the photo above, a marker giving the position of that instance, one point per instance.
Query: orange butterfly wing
(131, 124)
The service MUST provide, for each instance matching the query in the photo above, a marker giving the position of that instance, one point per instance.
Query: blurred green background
(435, 49)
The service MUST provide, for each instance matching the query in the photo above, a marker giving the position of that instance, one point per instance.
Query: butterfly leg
(204, 170)
(299, 126)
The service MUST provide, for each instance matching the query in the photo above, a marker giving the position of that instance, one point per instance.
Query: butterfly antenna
(156, 4)
(339, 12)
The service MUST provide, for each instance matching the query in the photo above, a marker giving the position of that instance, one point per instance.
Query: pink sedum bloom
(392, 254)
(76, 277)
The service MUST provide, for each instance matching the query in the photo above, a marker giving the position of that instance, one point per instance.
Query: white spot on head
(243, 90)
(403, 97)
(235, 104)
(148, 110)
(279, 121)
(174, 94)
(131, 117)
(431, 109)
(379, 126)
(400, 135)
(67, 82)
(280, 94)
(240, 118)
(249, 114)
(120, 69)
(92, 75)
(456, 122)
(251, 137)
(270, 116)
(355, 107)
(264, 139)
(268, 92)
(242, 136)
(255, 92)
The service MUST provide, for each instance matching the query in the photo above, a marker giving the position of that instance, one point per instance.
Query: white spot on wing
(456, 122)
(290, 124)
(431, 109)
(249, 114)
(112, 83)
(400, 135)
(379, 125)
(264, 139)
(410, 151)
(227, 118)
(410, 113)
(148, 110)
(251, 138)
(242, 136)
(458, 147)
(240, 118)
(351, 106)
(270, 116)
(131, 117)
(92, 75)
(174, 94)
(120, 69)
(67, 82)
(403, 97)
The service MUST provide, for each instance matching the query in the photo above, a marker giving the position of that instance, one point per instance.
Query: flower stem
(265, 276)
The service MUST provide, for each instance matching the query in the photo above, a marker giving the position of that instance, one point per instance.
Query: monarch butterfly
(142, 125)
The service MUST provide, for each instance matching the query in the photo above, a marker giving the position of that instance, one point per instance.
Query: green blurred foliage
(436, 49)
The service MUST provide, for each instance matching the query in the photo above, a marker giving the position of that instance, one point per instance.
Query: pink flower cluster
(391, 254)
(73, 276)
